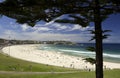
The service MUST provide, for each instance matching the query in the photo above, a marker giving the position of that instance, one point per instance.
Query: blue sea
(111, 51)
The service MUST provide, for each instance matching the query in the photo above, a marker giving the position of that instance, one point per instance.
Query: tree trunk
(98, 40)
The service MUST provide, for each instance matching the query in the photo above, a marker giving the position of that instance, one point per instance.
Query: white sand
(30, 53)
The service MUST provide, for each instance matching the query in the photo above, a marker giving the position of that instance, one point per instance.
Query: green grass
(8, 63)
(112, 73)
(107, 74)
(73, 75)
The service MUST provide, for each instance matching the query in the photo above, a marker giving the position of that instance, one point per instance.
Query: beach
(33, 54)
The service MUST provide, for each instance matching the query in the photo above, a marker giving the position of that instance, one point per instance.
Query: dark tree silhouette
(83, 12)
(90, 60)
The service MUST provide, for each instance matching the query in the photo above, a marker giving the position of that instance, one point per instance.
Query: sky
(10, 29)
(42, 31)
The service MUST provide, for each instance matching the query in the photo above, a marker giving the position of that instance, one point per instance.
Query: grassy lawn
(73, 75)
(8, 63)
(107, 74)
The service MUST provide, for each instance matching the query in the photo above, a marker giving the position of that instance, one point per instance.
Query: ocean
(111, 51)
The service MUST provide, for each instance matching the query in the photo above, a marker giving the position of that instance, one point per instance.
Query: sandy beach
(31, 53)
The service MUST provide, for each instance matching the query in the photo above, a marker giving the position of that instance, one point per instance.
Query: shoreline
(30, 53)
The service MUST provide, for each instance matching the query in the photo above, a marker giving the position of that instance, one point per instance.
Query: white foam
(89, 53)
(85, 52)
(112, 55)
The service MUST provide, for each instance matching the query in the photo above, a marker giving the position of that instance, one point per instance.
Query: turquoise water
(111, 51)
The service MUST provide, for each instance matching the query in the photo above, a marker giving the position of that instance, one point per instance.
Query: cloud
(10, 34)
(80, 28)
(50, 31)
(25, 27)
(56, 36)
(68, 27)
(76, 27)
(47, 36)
(59, 26)
(42, 29)
(54, 27)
